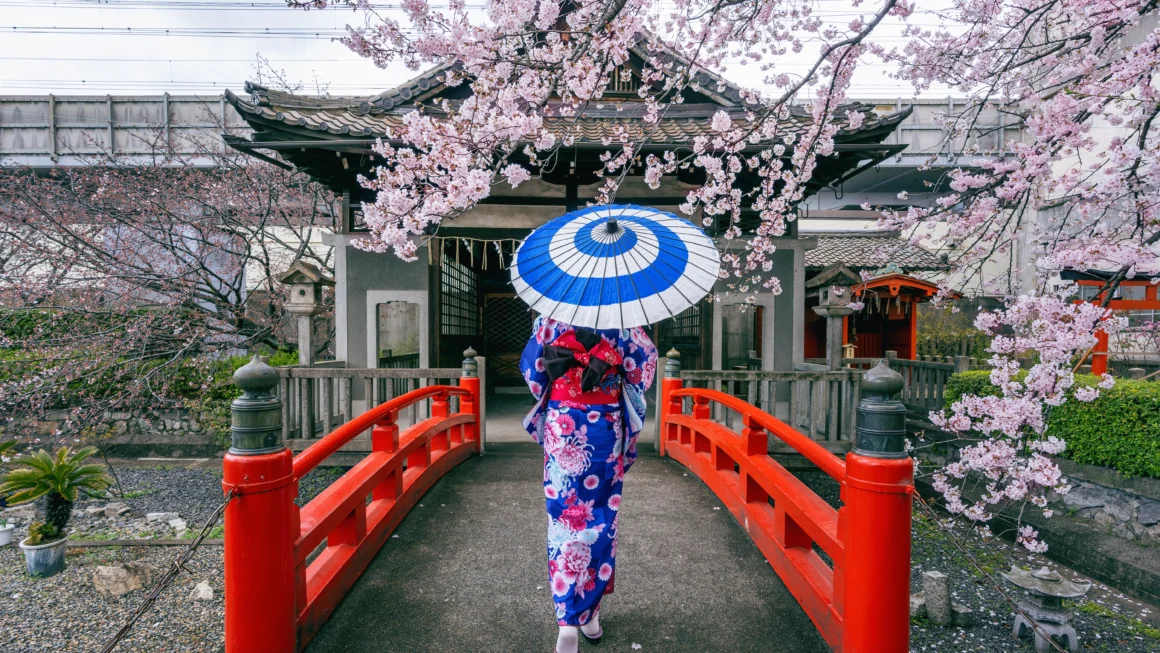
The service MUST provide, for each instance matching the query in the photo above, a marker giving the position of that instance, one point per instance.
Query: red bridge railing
(286, 567)
(859, 602)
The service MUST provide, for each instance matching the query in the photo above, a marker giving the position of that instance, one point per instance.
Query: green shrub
(975, 382)
(1120, 429)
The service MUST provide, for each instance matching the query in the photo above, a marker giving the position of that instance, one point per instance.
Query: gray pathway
(467, 571)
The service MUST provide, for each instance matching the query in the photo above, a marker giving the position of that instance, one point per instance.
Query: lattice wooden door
(507, 327)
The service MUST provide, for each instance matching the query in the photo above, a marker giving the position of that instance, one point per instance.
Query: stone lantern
(833, 288)
(306, 283)
(1043, 613)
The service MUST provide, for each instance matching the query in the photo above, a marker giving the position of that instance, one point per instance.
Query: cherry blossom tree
(1079, 191)
(123, 280)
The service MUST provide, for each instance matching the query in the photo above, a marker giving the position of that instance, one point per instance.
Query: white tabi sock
(592, 628)
(568, 641)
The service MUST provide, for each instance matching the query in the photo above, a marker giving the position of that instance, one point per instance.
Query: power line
(162, 84)
(191, 5)
(178, 60)
(226, 32)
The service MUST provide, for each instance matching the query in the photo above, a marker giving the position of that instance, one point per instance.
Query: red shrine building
(879, 268)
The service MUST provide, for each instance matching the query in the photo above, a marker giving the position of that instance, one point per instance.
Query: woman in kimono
(589, 387)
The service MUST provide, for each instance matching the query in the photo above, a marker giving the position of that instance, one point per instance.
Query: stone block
(1120, 509)
(1104, 519)
(962, 616)
(93, 511)
(1089, 513)
(119, 580)
(161, 516)
(202, 591)
(1151, 534)
(116, 509)
(1149, 513)
(178, 525)
(1085, 496)
(936, 591)
(1122, 529)
(917, 605)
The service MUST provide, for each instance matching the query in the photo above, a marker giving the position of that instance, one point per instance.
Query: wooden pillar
(571, 196)
(914, 332)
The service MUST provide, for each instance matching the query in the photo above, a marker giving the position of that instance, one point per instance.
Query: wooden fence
(818, 402)
(926, 379)
(319, 399)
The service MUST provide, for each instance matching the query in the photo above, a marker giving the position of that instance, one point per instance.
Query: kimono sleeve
(640, 358)
(532, 361)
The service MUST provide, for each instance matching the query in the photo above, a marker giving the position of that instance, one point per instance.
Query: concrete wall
(783, 327)
(366, 278)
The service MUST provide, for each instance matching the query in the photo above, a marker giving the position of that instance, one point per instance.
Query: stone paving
(467, 571)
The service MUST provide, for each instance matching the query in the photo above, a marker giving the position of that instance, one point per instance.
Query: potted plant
(59, 478)
(5, 531)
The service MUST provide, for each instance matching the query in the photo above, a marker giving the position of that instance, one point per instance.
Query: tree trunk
(57, 510)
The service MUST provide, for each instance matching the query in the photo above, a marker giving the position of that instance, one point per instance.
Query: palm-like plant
(60, 478)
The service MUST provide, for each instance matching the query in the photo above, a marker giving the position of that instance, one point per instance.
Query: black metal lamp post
(256, 416)
(881, 423)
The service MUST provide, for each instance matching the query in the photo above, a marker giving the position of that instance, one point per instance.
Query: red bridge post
(669, 405)
(261, 521)
(875, 522)
(474, 403)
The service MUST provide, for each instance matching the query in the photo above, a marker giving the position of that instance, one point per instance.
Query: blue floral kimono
(589, 388)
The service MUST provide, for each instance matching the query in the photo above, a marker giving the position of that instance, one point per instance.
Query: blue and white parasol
(615, 267)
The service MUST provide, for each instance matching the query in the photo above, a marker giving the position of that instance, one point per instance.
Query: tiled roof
(871, 252)
(378, 115)
(647, 47)
(352, 117)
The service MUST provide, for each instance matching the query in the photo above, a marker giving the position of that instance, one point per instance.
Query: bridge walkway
(466, 571)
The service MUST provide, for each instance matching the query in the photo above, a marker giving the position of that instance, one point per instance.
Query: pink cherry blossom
(1078, 189)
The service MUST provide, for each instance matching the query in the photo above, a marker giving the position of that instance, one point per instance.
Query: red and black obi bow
(580, 348)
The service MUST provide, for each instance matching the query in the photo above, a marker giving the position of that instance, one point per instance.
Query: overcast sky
(75, 47)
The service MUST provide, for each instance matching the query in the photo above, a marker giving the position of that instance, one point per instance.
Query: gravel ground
(1104, 620)
(193, 493)
(63, 613)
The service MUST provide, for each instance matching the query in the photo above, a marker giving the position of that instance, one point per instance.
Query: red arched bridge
(288, 568)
